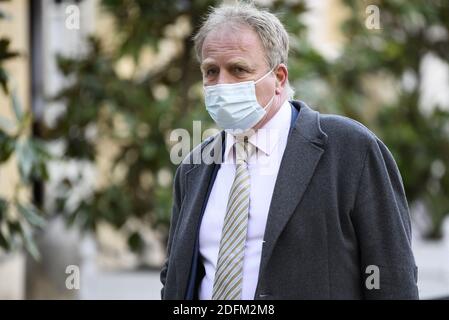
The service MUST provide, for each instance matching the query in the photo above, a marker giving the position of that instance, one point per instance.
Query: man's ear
(281, 77)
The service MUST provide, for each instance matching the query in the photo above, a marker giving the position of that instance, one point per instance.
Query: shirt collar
(267, 137)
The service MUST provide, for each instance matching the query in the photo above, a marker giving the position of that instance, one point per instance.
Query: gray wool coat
(338, 215)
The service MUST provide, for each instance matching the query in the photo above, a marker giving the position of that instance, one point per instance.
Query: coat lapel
(197, 181)
(304, 148)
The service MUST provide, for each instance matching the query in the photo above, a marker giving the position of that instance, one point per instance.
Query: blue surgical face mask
(234, 105)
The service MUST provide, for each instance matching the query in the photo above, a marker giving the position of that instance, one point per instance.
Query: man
(328, 219)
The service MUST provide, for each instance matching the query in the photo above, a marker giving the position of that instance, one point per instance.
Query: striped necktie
(229, 272)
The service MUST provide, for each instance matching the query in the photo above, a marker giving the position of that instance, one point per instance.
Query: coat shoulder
(347, 131)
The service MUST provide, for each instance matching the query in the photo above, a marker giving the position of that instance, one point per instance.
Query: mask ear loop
(264, 76)
(270, 103)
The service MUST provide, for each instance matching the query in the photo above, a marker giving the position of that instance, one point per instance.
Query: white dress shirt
(263, 168)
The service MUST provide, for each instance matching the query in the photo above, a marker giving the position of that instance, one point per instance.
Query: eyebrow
(206, 64)
(240, 63)
(236, 62)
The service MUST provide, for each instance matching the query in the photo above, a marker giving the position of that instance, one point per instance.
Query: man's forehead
(239, 45)
(232, 33)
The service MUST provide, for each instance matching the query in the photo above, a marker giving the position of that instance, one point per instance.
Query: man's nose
(225, 77)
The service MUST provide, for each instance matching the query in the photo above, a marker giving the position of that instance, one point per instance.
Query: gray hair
(270, 30)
